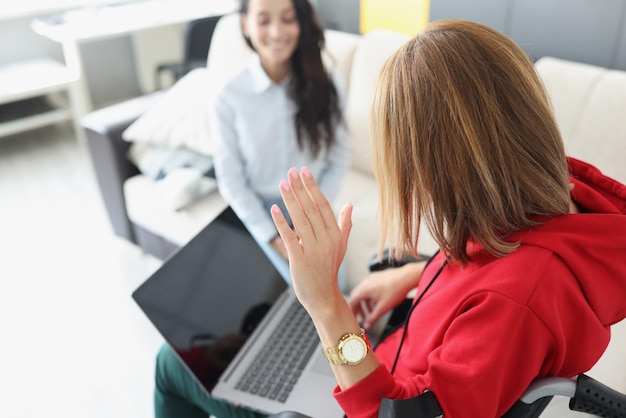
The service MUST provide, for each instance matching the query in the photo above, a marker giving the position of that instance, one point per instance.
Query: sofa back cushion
(228, 52)
(370, 55)
(180, 118)
(339, 53)
(589, 104)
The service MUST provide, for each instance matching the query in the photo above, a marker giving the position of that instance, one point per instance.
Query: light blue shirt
(257, 144)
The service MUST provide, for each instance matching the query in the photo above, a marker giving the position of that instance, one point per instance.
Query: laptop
(229, 315)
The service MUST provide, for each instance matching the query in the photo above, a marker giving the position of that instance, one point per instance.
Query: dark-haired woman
(283, 109)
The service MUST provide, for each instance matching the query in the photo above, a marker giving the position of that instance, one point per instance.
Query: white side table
(74, 27)
(38, 78)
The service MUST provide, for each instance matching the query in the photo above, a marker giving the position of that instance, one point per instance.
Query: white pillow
(155, 162)
(183, 186)
(179, 118)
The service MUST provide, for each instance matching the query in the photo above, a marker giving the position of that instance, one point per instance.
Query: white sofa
(357, 59)
(589, 103)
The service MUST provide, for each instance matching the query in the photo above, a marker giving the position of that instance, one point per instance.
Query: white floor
(74, 344)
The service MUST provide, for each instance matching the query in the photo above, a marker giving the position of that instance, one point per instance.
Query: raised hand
(316, 248)
(317, 245)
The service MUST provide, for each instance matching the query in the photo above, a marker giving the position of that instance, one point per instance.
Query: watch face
(354, 350)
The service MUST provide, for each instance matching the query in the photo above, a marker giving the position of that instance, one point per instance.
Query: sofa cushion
(603, 122)
(229, 51)
(182, 176)
(177, 119)
(370, 55)
(149, 206)
(339, 53)
(180, 118)
(589, 103)
(156, 162)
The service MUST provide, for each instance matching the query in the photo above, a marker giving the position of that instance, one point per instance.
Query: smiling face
(274, 30)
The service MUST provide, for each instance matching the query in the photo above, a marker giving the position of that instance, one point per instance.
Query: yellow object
(406, 16)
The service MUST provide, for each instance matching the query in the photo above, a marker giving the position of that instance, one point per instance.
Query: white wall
(595, 32)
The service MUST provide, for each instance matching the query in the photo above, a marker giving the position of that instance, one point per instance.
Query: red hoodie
(481, 334)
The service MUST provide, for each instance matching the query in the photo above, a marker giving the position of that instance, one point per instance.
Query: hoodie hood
(592, 244)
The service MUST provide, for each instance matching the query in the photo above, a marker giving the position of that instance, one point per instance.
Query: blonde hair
(463, 137)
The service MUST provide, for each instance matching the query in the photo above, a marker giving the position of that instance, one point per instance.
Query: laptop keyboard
(276, 368)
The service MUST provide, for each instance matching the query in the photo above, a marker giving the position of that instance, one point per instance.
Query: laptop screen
(209, 296)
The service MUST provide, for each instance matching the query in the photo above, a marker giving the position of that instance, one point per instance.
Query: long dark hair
(311, 87)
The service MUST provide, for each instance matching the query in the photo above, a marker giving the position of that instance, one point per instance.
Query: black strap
(422, 406)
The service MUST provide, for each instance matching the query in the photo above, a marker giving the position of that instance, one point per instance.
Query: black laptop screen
(209, 296)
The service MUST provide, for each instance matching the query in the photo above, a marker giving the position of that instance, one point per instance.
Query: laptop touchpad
(320, 365)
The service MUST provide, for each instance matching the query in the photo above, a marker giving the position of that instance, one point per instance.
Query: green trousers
(178, 395)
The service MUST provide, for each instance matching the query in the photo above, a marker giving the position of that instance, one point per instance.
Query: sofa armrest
(107, 149)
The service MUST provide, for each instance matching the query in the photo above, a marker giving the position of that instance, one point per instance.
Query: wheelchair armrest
(596, 398)
(587, 395)
(539, 394)
(549, 386)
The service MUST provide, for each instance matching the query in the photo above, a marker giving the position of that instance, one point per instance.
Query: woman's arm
(315, 254)
(231, 177)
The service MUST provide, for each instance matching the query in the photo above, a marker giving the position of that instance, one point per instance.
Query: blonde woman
(531, 242)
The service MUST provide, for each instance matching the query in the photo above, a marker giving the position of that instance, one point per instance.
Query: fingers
(315, 193)
(345, 222)
(316, 233)
(302, 209)
(357, 296)
(362, 311)
(367, 310)
(288, 236)
(310, 211)
(360, 299)
(372, 317)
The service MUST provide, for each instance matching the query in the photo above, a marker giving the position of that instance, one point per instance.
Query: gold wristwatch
(351, 350)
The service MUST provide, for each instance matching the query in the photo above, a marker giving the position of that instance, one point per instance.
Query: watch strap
(332, 355)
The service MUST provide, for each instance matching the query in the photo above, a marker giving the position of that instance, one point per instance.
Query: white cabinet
(25, 87)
